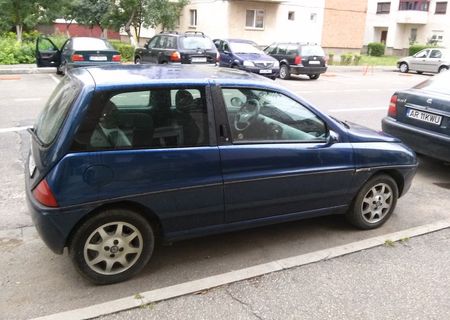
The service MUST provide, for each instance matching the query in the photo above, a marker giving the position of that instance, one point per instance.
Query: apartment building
(400, 23)
(263, 21)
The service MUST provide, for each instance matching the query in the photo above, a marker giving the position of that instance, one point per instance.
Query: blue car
(124, 155)
(244, 55)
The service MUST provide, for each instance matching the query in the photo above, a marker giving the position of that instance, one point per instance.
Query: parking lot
(31, 272)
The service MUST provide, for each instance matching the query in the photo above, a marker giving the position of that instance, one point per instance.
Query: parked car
(123, 155)
(191, 47)
(75, 52)
(420, 117)
(244, 55)
(428, 60)
(298, 58)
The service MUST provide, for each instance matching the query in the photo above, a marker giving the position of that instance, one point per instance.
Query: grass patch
(378, 61)
(389, 243)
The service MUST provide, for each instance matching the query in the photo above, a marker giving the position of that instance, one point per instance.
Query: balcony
(412, 17)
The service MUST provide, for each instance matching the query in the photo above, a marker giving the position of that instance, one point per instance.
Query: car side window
(292, 49)
(157, 118)
(422, 54)
(436, 54)
(272, 49)
(153, 42)
(260, 116)
(282, 49)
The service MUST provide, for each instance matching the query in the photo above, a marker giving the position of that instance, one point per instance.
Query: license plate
(265, 71)
(98, 58)
(424, 116)
(314, 62)
(198, 59)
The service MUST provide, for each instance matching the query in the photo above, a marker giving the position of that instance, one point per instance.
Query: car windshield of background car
(312, 51)
(91, 44)
(193, 43)
(239, 47)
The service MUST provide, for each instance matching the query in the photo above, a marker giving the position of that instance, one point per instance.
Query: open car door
(47, 53)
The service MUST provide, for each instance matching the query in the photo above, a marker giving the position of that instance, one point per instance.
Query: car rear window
(52, 116)
(91, 44)
(192, 43)
(312, 51)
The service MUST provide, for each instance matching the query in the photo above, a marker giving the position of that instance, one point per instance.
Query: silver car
(427, 60)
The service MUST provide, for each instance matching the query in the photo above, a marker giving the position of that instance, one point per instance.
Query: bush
(126, 50)
(375, 49)
(413, 49)
(356, 59)
(346, 58)
(13, 52)
(331, 58)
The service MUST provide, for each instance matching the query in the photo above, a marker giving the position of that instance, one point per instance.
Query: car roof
(126, 76)
(240, 40)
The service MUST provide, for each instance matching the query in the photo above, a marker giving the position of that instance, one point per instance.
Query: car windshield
(312, 51)
(439, 83)
(241, 47)
(91, 44)
(54, 112)
(192, 43)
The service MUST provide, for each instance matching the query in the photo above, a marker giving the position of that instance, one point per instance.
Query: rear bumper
(54, 225)
(299, 69)
(80, 64)
(422, 141)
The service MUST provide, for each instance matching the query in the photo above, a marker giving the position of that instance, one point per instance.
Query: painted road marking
(358, 109)
(14, 129)
(199, 285)
(27, 99)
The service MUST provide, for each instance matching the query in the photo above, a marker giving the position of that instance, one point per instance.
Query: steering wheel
(246, 115)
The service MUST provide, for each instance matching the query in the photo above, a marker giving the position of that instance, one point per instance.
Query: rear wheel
(374, 203)
(314, 76)
(442, 69)
(137, 60)
(404, 67)
(285, 73)
(112, 246)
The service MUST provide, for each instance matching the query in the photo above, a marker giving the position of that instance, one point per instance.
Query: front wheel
(112, 246)
(442, 69)
(374, 203)
(137, 60)
(404, 67)
(285, 73)
(314, 76)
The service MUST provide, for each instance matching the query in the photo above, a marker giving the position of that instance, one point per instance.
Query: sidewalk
(403, 280)
(31, 68)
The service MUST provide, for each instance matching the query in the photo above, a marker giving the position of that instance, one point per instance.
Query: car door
(434, 61)
(151, 55)
(419, 61)
(286, 161)
(227, 55)
(47, 53)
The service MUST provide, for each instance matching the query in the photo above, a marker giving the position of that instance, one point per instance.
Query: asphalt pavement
(408, 279)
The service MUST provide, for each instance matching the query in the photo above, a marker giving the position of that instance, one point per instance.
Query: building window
(254, 19)
(418, 5)
(383, 7)
(441, 8)
(413, 36)
(193, 17)
(291, 15)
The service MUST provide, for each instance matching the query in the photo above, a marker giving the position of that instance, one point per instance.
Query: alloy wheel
(377, 202)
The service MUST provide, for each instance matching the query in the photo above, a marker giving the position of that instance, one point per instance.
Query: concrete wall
(344, 24)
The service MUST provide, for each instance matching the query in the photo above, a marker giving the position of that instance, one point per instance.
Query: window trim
(253, 27)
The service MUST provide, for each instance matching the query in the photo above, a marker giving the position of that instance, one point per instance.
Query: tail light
(392, 112)
(77, 57)
(116, 58)
(175, 57)
(298, 60)
(43, 194)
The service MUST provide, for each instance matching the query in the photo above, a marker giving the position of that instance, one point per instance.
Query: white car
(428, 60)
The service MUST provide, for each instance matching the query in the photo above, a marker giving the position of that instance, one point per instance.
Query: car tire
(404, 68)
(374, 203)
(59, 71)
(137, 60)
(285, 73)
(419, 72)
(112, 246)
(442, 69)
(314, 76)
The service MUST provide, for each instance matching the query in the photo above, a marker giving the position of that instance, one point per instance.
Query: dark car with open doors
(75, 52)
(122, 156)
(420, 117)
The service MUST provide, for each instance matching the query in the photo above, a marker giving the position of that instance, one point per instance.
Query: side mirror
(333, 137)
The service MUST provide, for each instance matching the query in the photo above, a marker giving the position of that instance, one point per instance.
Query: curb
(191, 287)
(25, 70)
